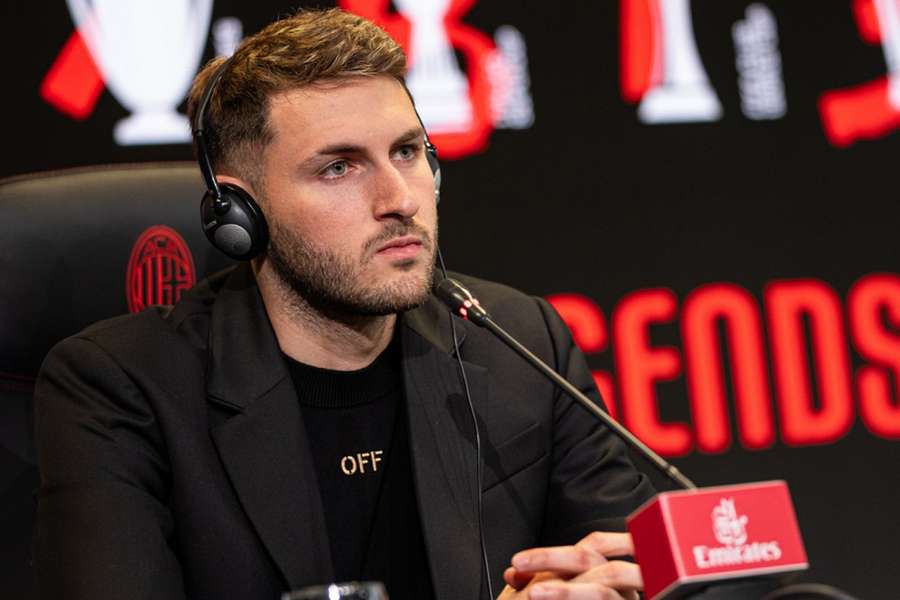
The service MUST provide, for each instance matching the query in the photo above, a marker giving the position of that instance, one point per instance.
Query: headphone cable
(478, 475)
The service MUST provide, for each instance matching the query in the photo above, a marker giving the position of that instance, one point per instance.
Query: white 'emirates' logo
(730, 530)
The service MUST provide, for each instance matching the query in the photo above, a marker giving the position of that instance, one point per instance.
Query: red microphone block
(691, 537)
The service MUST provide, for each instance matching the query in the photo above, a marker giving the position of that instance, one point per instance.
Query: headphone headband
(199, 133)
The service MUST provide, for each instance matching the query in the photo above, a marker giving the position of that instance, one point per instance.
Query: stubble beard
(329, 283)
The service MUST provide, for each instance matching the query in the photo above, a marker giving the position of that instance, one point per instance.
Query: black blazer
(174, 461)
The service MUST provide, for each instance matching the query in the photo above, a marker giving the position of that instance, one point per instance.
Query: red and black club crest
(160, 269)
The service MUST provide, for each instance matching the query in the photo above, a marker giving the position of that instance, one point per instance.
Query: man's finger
(561, 559)
(563, 590)
(616, 574)
(516, 579)
(608, 544)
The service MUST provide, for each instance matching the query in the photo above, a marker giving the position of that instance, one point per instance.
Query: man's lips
(406, 246)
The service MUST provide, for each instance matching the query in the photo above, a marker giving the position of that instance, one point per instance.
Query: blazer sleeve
(103, 528)
(593, 483)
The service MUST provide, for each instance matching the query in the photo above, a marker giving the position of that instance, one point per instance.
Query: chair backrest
(77, 246)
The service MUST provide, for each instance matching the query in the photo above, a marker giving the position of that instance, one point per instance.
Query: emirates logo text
(730, 530)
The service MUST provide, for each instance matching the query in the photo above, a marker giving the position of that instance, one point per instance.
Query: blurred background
(703, 188)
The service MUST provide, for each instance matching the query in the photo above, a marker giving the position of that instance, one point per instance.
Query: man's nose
(393, 197)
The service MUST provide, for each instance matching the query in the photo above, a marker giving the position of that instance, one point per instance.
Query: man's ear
(241, 183)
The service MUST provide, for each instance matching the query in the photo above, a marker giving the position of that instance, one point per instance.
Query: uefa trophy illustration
(888, 12)
(438, 84)
(683, 92)
(148, 53)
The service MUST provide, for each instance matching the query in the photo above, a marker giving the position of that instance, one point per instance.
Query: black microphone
(461, 301)
(463, 304)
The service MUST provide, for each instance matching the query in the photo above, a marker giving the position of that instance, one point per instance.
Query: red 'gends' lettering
(732, 306)
(588, 326)
(870, 299)
(640, 366)
(788, 304)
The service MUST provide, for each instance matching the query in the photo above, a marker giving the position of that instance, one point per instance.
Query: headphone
(231, 218)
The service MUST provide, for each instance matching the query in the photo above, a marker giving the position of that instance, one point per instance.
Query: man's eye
(336, 169)
(407, 152)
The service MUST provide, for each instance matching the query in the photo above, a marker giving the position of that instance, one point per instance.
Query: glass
(353, 590)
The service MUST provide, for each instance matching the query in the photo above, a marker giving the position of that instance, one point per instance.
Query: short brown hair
(307, 47)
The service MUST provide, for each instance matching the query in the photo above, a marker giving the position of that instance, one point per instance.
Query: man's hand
(582, 571)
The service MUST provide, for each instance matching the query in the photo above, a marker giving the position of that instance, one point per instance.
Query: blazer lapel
(264, 446)
(443, 451)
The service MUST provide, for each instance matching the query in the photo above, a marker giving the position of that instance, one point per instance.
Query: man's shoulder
(185, 323)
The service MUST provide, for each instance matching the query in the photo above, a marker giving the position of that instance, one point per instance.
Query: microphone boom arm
(464, 305)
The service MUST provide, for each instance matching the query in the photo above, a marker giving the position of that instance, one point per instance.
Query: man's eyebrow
(339, 148)
(412, 134)
(346, 148)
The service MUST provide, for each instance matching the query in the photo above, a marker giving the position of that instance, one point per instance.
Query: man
(301, 418)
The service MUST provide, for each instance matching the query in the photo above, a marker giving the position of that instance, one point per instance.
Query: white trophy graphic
(438, 84)
(888, 12)
(683, 92)
(148, 53)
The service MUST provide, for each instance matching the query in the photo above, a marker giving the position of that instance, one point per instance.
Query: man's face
(349, 197)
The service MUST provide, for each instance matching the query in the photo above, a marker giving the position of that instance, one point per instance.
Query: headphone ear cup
(240, 231)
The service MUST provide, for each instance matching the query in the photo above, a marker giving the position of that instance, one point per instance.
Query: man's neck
(310, 337)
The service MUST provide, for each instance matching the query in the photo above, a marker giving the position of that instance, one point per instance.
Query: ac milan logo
(160, 269)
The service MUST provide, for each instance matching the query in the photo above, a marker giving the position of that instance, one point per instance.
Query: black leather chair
(77, 246)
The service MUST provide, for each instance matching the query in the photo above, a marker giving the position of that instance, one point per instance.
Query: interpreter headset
(231, 218)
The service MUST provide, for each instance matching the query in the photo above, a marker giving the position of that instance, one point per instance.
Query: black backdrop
(638, 218)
